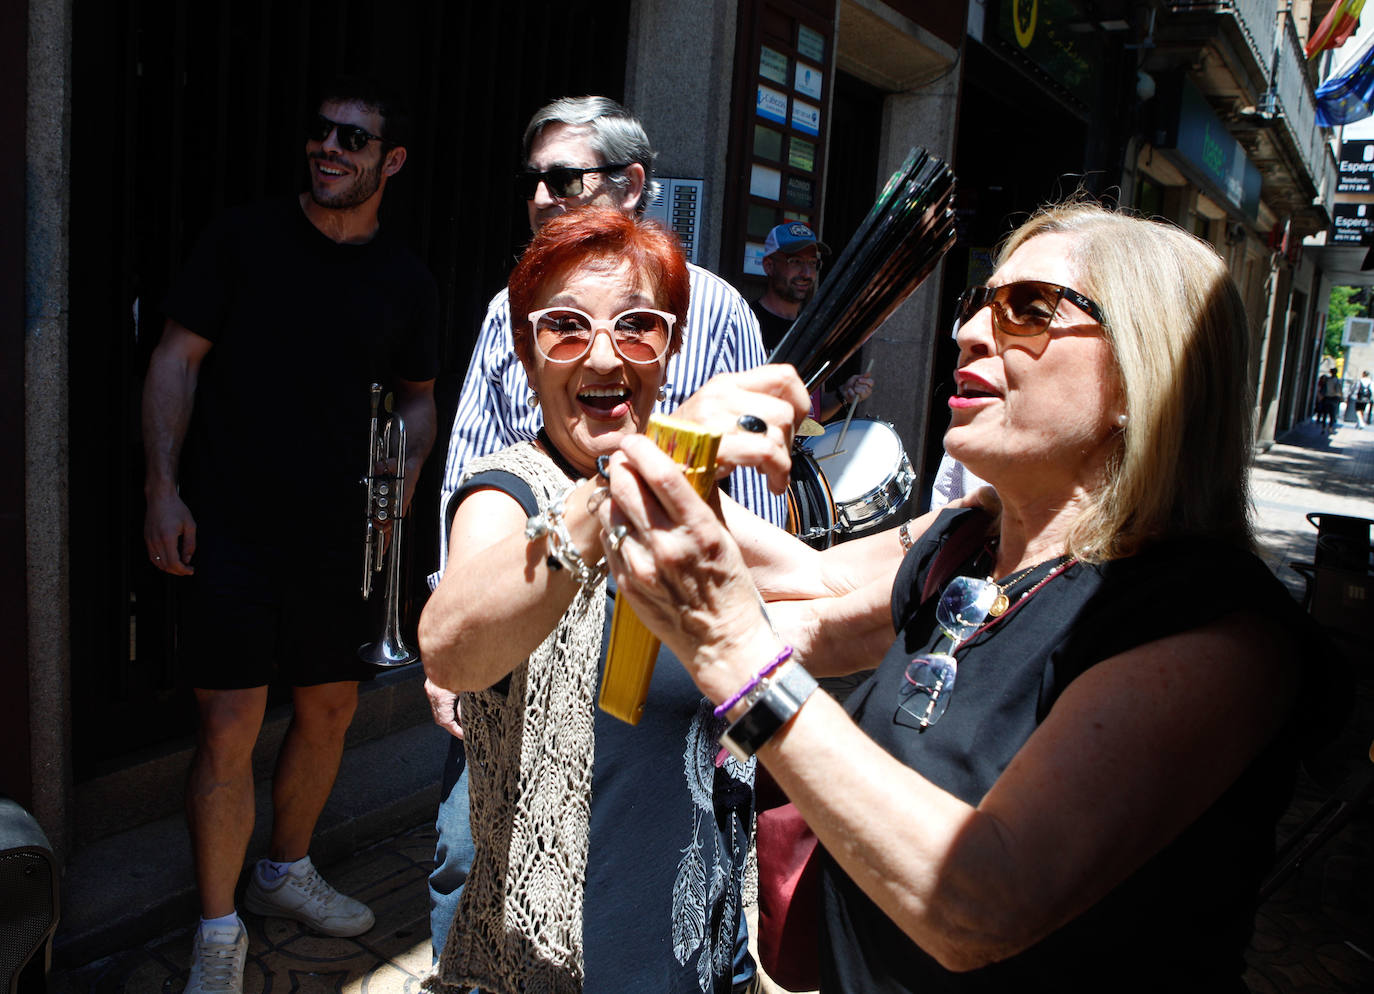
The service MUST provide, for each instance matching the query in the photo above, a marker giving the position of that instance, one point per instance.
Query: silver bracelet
(563, 554)
(772, 703)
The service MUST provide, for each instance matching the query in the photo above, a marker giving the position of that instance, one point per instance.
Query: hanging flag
(1336, 27)
(1348, 95)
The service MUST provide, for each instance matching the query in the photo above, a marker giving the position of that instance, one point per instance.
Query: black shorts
(254, 616)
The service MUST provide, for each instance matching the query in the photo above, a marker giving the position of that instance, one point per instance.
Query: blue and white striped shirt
(721, 336)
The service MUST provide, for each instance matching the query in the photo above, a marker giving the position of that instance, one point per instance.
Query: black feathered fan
(910, 227)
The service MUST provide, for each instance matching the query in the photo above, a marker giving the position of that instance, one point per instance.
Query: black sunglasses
(1022, 309)
(351, 137)
(562, 181)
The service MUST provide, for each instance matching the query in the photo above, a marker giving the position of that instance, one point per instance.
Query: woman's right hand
(682, 571)
(774, 395)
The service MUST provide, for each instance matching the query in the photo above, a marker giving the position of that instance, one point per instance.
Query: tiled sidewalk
(1315, 934)
(283, 957)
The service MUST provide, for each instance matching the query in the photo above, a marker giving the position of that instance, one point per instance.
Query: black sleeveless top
(1180, 922)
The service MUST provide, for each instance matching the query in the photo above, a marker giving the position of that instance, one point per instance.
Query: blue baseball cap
(790, 237)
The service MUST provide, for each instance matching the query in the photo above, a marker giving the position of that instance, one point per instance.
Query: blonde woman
(1066, 771)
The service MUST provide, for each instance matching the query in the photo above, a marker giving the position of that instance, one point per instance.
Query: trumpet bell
(389, 650)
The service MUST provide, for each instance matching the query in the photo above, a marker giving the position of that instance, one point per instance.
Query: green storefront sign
(1203, 140)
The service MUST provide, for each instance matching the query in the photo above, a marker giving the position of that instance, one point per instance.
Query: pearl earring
(534, 400)
(1121, 420)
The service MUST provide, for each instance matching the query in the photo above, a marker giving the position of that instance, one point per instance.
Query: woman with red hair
(609, 857)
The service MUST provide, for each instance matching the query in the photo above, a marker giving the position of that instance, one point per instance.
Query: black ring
(602, 461)
(752, 423)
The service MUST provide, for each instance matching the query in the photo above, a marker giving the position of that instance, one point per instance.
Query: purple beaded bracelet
(758, 678)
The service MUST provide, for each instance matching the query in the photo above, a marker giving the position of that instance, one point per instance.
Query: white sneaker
(302, 895)
(217, 958)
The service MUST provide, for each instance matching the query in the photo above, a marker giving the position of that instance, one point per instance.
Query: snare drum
(810, 508)
(867, 469)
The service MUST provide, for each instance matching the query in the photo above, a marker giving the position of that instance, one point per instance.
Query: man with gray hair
(577, 151)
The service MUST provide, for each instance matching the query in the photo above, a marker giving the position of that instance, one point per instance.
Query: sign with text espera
(1356, 167)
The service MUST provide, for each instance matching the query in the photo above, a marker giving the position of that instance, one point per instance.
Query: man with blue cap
(792, 263)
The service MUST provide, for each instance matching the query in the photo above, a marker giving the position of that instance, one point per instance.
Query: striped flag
(1336, 27)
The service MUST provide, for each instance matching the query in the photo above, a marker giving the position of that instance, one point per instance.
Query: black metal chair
(1329, 819)
(1343, 604)
(28, 902)
(1340, 598)
(1344, 527)
(1342, 544)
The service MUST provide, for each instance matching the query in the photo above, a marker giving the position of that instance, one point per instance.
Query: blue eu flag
(1349, 94)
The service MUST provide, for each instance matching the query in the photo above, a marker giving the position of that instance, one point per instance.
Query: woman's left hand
(681, 570)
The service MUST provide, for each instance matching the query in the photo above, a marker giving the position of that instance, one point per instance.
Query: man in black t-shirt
(283, 317)
(792, 263)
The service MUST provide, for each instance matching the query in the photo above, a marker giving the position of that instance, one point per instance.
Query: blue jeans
(454, 850)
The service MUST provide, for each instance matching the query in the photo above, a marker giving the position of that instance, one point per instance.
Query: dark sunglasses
(562, 181)
(351, 137)
(1022, 309)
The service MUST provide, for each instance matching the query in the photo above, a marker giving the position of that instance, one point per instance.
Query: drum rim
(831, 525)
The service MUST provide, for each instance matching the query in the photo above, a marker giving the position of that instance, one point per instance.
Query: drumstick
(853, 406)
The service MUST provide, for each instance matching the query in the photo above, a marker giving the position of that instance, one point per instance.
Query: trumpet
(386, 492)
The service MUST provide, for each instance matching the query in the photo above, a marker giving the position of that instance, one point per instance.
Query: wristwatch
(772, 704)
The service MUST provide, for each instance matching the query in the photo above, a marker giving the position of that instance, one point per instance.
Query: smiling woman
(589, 272)
(621, 847)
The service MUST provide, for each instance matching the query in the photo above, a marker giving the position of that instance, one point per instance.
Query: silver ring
(618, 534)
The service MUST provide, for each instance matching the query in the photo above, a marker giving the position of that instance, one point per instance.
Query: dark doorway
(15, 757)
(179, 110)
(851, 186)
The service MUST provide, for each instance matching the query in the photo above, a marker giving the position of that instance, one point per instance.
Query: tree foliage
(1345, 301)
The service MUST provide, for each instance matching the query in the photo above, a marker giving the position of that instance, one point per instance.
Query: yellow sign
(1024, 23)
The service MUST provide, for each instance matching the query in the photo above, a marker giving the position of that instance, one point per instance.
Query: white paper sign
(753, 259)
(765, 182)
(808, 81)
(773, 65)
